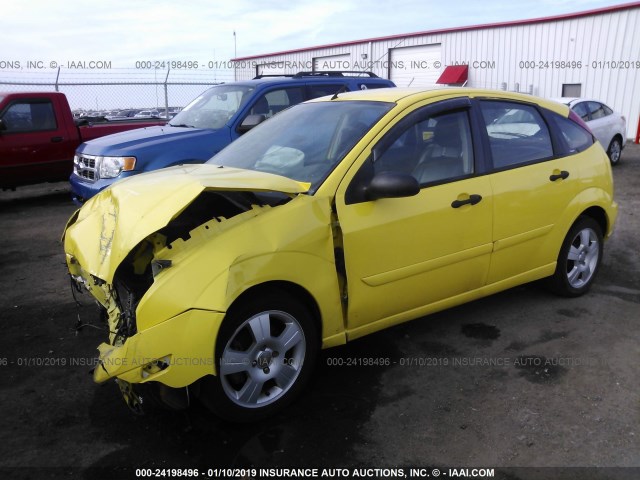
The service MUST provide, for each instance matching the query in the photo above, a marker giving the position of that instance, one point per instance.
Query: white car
(609, 127)
(147, 114)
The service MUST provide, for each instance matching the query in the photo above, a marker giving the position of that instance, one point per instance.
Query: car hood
(103, 232)
(142, 138)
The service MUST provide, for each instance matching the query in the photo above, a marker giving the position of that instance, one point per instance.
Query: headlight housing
(111, 167)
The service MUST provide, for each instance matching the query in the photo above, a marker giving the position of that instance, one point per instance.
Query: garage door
(274, 68)
(414, 66)
(332, 62)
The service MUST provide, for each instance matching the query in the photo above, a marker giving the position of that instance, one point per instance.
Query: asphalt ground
(523, 381)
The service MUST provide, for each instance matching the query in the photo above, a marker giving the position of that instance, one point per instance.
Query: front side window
(582, 110)
(433, 150)
(517, 133)
(276, 100)
(29, 116)
(306, 142)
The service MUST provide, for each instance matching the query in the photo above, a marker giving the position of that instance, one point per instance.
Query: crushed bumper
(176, 352)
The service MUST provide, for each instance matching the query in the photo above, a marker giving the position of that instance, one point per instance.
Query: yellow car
(336, 218)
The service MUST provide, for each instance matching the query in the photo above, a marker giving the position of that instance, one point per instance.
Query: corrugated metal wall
(601, 52)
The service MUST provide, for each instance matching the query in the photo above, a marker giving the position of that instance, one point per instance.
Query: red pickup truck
(39, 136)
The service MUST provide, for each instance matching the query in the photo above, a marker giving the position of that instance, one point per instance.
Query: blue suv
(204, 127)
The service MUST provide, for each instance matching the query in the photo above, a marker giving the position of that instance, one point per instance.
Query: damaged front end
(125, 239)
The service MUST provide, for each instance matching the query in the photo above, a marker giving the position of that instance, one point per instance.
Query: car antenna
(342, 90)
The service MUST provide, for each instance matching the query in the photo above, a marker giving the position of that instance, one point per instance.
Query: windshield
(213, 108)
(306, 141)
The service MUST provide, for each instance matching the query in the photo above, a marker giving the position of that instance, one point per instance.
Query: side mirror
(3, 126)
(251, 121)
(392, 185)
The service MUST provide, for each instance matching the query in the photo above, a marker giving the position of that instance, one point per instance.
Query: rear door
(34, 142)
(532, 188)
(601, 123)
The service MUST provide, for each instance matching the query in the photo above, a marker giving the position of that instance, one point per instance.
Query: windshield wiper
(182, 125)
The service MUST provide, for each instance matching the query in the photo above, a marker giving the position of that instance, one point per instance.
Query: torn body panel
(290, 243)
(165, 296)
(134, 208)
(176, 352)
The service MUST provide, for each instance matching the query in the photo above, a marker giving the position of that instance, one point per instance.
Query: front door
(402, 254)
(36, 146)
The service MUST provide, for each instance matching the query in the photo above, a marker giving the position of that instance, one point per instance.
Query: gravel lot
(520, 379)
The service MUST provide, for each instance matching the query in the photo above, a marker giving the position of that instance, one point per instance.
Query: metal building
(593, 54)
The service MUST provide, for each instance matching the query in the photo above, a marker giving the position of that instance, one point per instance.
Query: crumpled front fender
(176, 352)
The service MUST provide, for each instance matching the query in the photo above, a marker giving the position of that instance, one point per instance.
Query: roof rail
(336, 73)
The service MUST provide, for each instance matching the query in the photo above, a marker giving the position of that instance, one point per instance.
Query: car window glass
(596, 110)
(576, 137)
(607, 110)
(305, 142)
(214, 108)
(434, 150)
(517, 133)
(277, 100)
(29, 117)
(316, 91)
(369, 86)
(582, 110)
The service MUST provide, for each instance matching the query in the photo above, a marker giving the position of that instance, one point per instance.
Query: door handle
(56, 139)
(557, 176)
(472, 200)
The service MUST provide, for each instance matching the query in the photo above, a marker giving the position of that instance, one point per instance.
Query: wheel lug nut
(254, 363)
(266, 370)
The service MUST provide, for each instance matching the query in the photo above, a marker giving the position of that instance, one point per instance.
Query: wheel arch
(620, 140)
(617, 136)
(282, 287)
(220, 394)
(599, 215)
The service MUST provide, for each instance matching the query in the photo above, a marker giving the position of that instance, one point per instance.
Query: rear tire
(579, 259)
(614, 151)
(265, 353)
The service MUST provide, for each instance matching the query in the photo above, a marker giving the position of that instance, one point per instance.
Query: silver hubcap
(614, 152)
(583, 258)
(263, 359)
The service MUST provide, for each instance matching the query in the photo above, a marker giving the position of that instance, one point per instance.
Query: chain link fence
(104, 93)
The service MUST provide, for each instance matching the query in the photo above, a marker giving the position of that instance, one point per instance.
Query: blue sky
(120, 33)
(124, 32)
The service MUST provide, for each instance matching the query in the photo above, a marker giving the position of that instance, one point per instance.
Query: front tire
(579, 259)
(265, 353)
(614, 151)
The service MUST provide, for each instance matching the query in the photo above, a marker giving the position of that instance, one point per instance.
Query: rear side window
(576, 138)
(517, 133)
(316, 91)
(369, 86)
(29, 116)
(597, 110)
